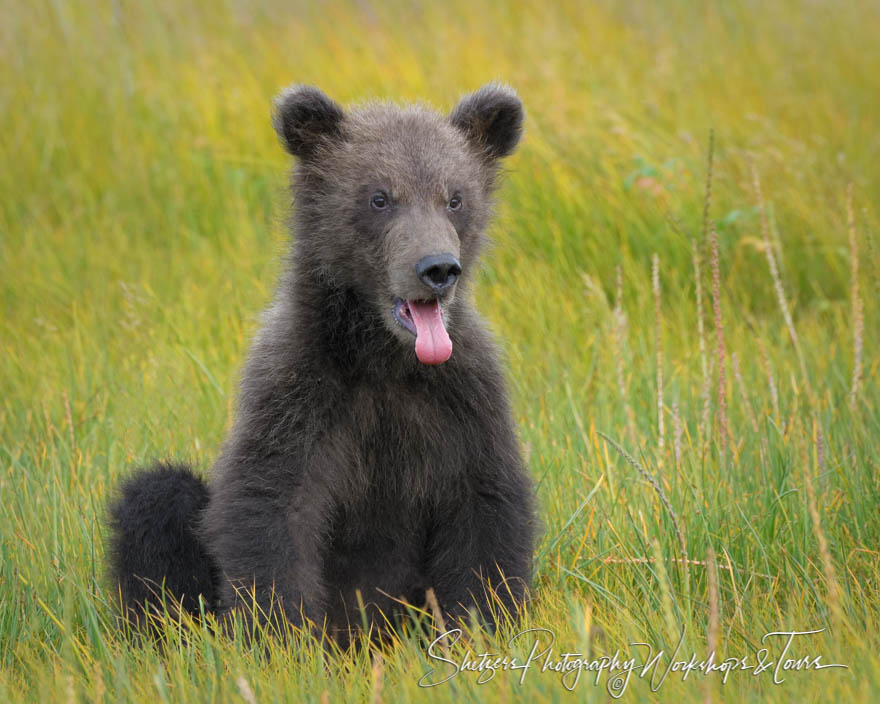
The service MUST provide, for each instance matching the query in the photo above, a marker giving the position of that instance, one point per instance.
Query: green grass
(141, 221)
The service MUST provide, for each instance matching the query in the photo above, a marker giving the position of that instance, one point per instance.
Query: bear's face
(393, 202)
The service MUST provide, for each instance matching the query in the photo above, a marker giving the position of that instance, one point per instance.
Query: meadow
(683, 280)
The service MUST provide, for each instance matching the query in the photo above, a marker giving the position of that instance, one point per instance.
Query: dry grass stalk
(667, 600)
(714, 616)
(676, 433)
(737, 374)
(701, 338)
(619, 335)
(655, 280)
(833, 591)
(436, 611)
(376, 676)
(771, 380)
(654, 483)
(719, 333)
(820, 446)
(651, 560)
(777, 279)
(857, 311)
(244, 689)
(707, 199)
(714, 602)
(707, 202)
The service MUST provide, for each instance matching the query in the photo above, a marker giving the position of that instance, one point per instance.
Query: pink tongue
(433, 345)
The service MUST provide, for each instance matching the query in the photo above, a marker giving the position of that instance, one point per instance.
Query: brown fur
(351, 466)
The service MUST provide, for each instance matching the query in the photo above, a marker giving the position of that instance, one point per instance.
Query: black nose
(438, 271)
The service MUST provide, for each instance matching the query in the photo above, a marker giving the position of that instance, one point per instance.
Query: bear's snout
(438, 271)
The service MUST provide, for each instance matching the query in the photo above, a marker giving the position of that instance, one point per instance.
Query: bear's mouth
(424, 319)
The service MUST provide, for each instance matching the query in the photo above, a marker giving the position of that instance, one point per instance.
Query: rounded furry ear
(304, 117)
(492, 118)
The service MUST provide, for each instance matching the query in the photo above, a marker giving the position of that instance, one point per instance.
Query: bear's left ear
(491, 118)
(304, 118)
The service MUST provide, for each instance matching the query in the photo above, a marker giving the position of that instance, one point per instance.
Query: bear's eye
(455, 202)
(379, 201)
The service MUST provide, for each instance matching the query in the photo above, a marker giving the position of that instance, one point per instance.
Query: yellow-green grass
(142, 210)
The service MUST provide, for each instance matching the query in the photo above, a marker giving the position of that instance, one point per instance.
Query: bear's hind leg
(153, 543)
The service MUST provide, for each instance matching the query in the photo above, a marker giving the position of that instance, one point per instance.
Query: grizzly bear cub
(373, 456)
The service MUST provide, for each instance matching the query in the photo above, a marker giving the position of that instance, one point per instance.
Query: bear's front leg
(266, 540)
(480, 553)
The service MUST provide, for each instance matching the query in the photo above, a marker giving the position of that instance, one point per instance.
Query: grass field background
(142, 205)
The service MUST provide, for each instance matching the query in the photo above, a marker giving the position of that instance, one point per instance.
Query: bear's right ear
(304, 118)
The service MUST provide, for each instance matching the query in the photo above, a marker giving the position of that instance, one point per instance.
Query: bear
(373, 456)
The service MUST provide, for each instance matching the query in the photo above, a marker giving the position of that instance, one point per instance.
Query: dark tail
(154, 543)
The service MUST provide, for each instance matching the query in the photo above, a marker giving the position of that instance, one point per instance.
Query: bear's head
(392, 202)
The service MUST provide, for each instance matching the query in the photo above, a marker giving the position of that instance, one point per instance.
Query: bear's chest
(404, 454)
(402, 446)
